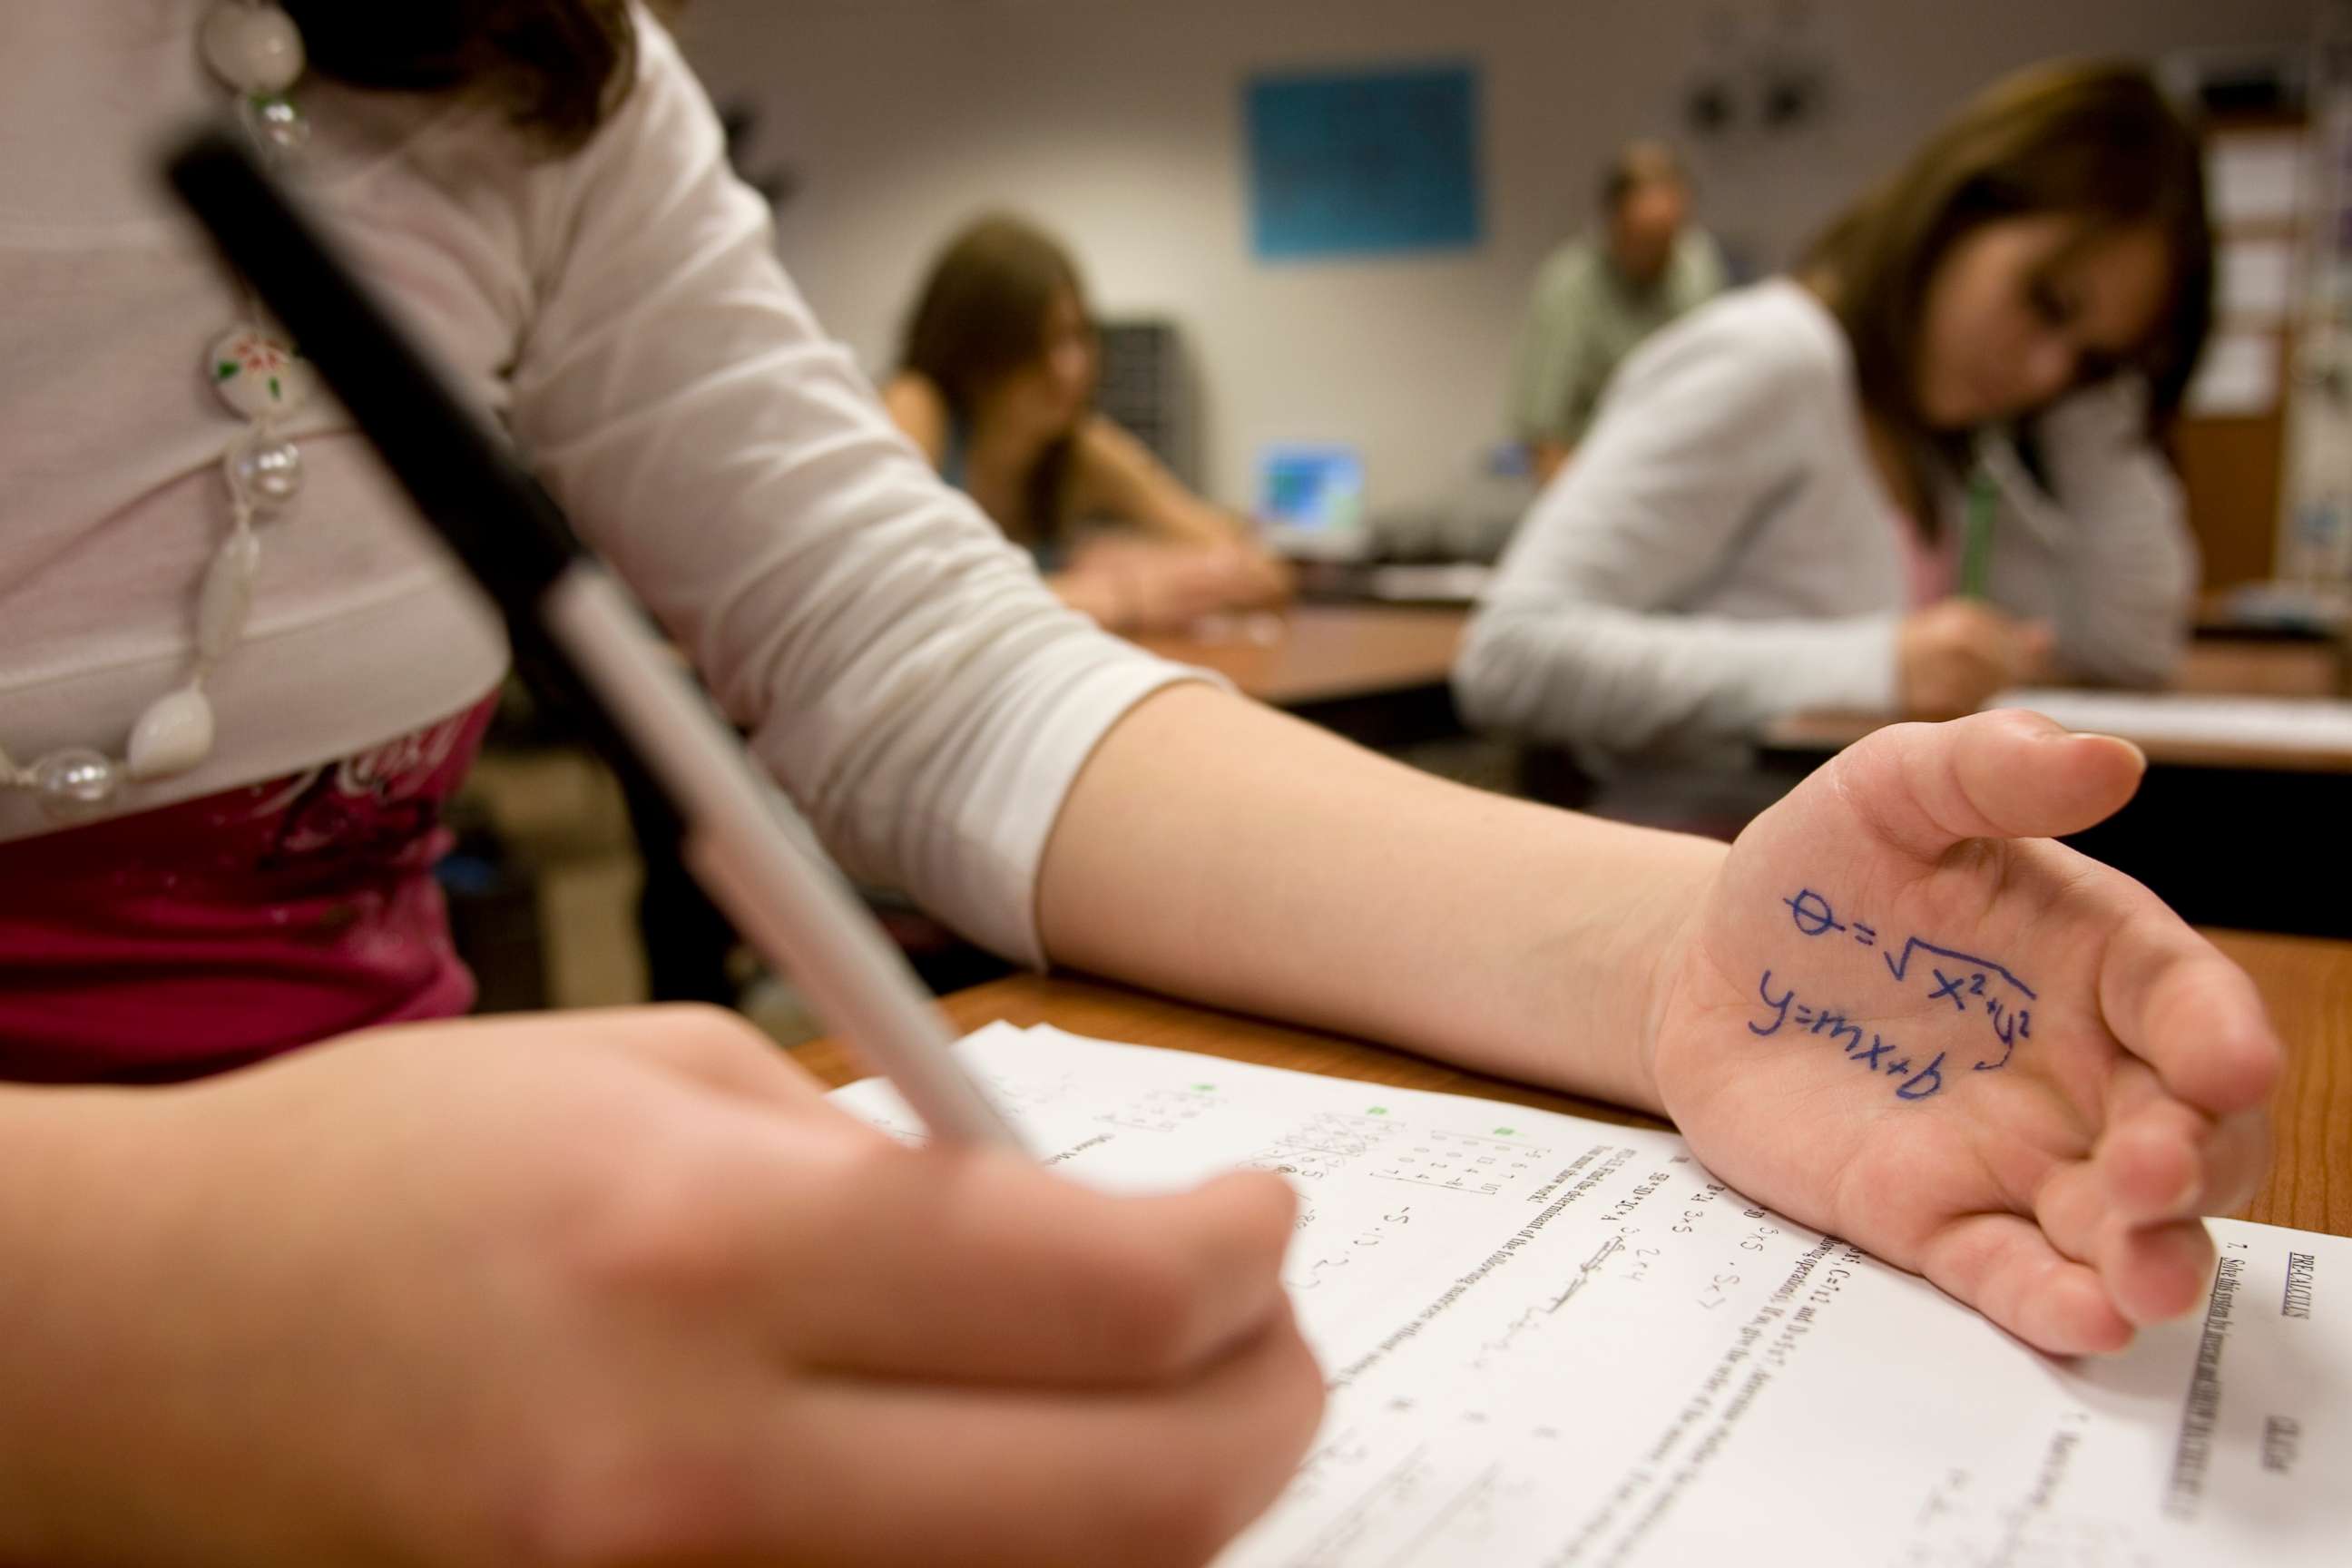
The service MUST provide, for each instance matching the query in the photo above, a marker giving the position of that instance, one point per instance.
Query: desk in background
(2282, 612)
(2214, 669)
(2308, 985)
(2258, 837)
(1377, 674)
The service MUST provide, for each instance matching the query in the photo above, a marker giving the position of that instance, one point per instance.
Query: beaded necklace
(255, 49)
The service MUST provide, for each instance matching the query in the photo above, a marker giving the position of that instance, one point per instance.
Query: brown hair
(982, 314)
(558, 68)
(2099, 141)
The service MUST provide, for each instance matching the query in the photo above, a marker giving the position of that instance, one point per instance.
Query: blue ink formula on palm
(1813, 913)
(1972, 985)
(1814, 916)
(1880, 1056)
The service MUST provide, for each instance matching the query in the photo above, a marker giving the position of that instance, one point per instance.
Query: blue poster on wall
(1364, 162)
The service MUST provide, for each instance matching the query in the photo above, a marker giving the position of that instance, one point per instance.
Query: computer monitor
(1310, 501)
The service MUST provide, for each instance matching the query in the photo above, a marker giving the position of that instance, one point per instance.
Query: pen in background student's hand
(1976, 541)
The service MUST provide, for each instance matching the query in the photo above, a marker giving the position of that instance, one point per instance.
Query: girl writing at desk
(1920, 470)
(624, 1289)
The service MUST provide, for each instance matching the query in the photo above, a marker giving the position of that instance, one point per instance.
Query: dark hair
(2099, 141)
(982, 314)
(1637, 166)
(558, 68)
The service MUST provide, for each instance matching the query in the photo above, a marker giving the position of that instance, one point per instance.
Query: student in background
(996, 383)
(622, 1288)
(1600, 295)
(1921, 471)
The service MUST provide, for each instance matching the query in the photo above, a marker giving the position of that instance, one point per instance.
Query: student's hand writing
(1903, 1015)
(623, 1288)
(1952, 656)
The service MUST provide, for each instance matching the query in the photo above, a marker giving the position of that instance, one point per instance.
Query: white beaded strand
(257, 51)
(253, 47)
(256, 48)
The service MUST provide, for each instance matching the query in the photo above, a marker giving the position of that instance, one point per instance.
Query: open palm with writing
(1904, 1015)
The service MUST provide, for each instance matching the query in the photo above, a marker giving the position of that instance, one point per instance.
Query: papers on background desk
(1554, 1341)
(2239, 377)
(2283, 723)
(2256, 178)
(1452, 582)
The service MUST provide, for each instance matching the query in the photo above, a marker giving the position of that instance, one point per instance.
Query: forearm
(1184, 519)
(1218, 850)
(1118, 477)
(66, 1150)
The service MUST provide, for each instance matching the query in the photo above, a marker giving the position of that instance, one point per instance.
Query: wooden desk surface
(2307, 984)
(1321, 653)
(2228, 666)
(2217, 669)
(2282, 611)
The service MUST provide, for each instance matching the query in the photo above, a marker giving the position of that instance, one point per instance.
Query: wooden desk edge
(1387, 650)
(2307, 980)
(1106, 1011)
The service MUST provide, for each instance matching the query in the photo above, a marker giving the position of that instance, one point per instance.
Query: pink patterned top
(1928, 570)
(211, 933)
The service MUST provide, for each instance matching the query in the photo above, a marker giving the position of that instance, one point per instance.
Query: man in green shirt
(1600, 295)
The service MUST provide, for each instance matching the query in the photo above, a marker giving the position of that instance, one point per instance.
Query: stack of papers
(2271, 723)
(1458, 582)
(1555, 1342)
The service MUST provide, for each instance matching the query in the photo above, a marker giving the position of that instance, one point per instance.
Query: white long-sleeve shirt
(903, 670)
(1721, 550)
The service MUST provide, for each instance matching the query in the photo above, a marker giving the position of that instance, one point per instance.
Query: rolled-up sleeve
(903, 671)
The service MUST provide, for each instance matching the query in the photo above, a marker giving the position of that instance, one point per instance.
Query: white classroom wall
(1117, 125)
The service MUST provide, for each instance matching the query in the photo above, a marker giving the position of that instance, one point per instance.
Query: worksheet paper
(1552, 1341)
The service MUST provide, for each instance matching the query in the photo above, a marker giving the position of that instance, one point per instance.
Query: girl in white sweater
(626, 1289)
(1769, 516)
